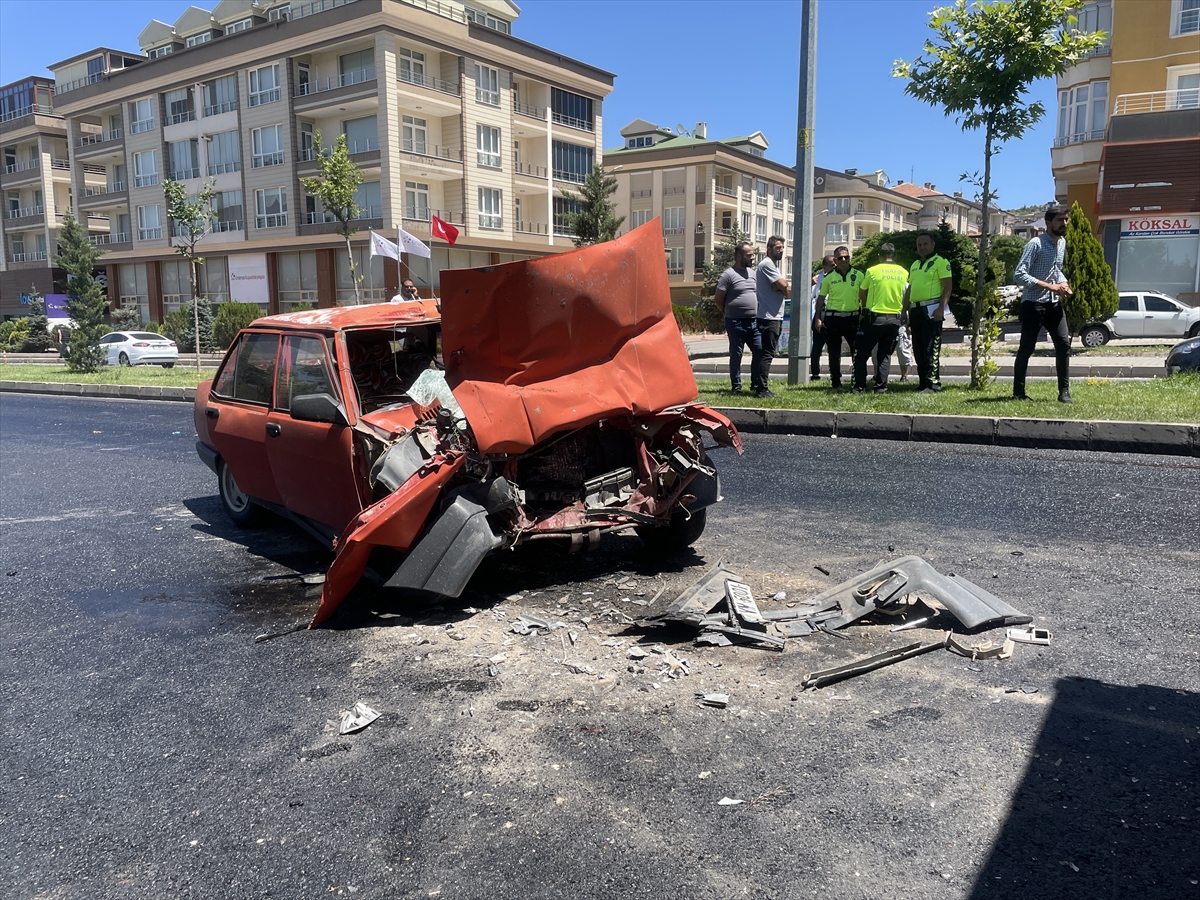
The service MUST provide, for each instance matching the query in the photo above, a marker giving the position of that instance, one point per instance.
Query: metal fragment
(869, 664)
(358, 717)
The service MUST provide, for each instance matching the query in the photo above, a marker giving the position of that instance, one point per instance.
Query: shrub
(127, 318)
(153, 327)
(300, 307)
(690, 319)
(232, 318)
(38, 338)
(13, 334)
(179, 327)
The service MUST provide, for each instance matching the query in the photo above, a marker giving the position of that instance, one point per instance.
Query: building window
(564, 208)
(268, 146)
(149, 223)
(1082, 113)
(280, 13)
(271, 208)
(672, 220)
(488, 143)
(837, 234)
(1092, 17)
(160, 52)
(639, 217)
(362, 135)
(777, 227)
(1187, 17)
(490, 215)
(413, 134)
(179, 106)
(240, 25)
(746, 222)
(760, 228)
(264, 85)
(183, 159)
(145, 168)
(487, 20)
(369, 200)
(141, 115)
(644, 141)
(227, 205)
(838, 206)
(675, 261)
(699, 266)
(571, 109)
(761, 187)
(572, 162)
(487, 85)
(197, 39)
(412, 66)
(220, 95)
(416, 201)
(357, 67)
(297, 277)
(224, 153)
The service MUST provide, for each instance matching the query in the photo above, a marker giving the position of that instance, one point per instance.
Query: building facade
(1128, 140)
(445, 113)
(962, 215)
(848, 208)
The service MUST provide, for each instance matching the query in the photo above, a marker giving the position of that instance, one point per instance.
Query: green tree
(127, 318)
(232, 318)
(190, 221)
(594, 221)
(978, 67)
(183, 325)
(336, 187)
(38, 339)
(1007, 248)
(87, 301)
(1095, 294)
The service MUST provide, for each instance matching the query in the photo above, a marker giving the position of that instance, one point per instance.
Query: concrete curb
(1166, 438)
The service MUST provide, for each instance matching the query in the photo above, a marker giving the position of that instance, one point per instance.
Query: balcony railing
(778, 204)
(724, 191)
(534, 112)
(573, 177)
(319, 86)
(531, 228)
(1156, 101)
(572, 122)
(150, 234)
(145, 180)
(99, 137)
(530, 169)
(672, 231)
(679, 189)
(224, 168)
(31, 256)
(761, 198)
(636, 194)
(23, 166)
(420, 148)
(674, 270)
(490, 98)
(422, 80)
(181, 174)
(78, 83)
(299, 10)
(487, 220)
(141, 125)
(275, 220)
(488, 160)
(218, 108)
(95, 190)
(261, 98)
(223, 225)
(260, 160)
(327, 218)
(99, 239)
(563, 230)
(425, 213)
(40, 108)
(62, 164)
(24, 211)
(180, 118)
(1079, 138)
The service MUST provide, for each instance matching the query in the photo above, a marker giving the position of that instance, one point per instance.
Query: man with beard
(1040, 271)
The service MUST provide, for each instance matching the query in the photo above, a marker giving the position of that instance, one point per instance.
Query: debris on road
(358, 717)
(729, 801)
(1030, 635)
(718, 700)
(981, 650)
(869, 664)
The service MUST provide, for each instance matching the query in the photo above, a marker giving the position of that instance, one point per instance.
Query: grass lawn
(1175, 399)
(1009, 348)
(180, 376)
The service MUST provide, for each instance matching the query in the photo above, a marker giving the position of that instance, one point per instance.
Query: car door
(109, 343)
(1127, 320)
(238, 408)
(312, 462)
(1164, 317)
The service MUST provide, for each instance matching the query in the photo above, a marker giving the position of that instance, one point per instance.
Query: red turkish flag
(443, 230)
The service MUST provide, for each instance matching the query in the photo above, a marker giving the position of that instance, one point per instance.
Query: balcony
(1156, 101)
(1079, 138)
(89, 142)
(25, 212)
(148, 180)
(671, 231)
(41, 109)
(530, 170)
(225, 168)
(28, 166)
(299, 10)
(217, 109)
(572, 177)
(100, 240)
(78, 83)
(540, 228)
(722, 191)
(533, 112)
(417, 218)
(563, 230)
(183, 174)
(141, 125)
(747, 196)
(32, 256)
(150, 234)
(274, 220)
(572, 122)
(346, 79)
(220, 226)
(327, 223)
(420, 79)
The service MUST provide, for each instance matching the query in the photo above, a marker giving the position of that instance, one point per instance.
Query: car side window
(1159, 304)
(254, 371)
(303, 369)
(223, 384)
(1128, 303)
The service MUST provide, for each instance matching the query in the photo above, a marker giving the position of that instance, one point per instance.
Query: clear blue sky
(731, 64)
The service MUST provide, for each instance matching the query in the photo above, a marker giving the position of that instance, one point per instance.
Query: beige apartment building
(445, 112)
(962, 215)
(848, 208)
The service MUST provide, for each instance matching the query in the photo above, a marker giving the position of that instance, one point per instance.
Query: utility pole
(800, 336)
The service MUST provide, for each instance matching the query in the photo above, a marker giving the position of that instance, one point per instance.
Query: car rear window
(1128, 303)
(147, 336)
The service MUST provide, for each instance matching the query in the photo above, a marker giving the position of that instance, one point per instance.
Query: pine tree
(38, 339)
(127, 318)
(1095, 295)
(87, 301)
(593, 222)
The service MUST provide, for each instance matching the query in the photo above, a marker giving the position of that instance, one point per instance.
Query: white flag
(410, 244)
(381, 246)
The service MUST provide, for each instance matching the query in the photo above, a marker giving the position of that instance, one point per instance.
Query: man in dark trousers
(737, 297)
(882, 295)
(818, 334)
(925, 300)
(837, 311)
(1040, 271)
(772, 289)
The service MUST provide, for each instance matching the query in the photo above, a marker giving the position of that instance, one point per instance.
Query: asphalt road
(151, 748)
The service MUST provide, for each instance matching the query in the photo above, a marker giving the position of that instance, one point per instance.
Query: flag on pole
(410, 244)
(381, 246)
(443, 230)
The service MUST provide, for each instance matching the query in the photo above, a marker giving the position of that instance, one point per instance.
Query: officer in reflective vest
(929, 285)
(882, 295)
(837, 311)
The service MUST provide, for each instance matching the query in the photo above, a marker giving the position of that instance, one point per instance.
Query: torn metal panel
(870, 663)
(698, 600)
(741, 601)
(446, 557)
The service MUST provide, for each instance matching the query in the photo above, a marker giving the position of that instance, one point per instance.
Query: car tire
(1195, 331)
(123, 359)
(238, 506)
(681, 533)
(168, 365)
(1094, 336)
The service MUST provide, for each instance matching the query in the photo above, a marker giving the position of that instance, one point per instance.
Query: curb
(1164, 438)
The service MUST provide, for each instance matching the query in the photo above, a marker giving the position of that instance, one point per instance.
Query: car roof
(336, 318)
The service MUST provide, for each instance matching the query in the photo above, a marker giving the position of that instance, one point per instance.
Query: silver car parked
(1147, 314)
(138, 348)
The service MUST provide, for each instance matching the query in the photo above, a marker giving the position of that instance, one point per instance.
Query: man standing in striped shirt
(1040, 271)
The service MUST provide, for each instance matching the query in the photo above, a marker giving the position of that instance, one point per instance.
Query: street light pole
(800, 336)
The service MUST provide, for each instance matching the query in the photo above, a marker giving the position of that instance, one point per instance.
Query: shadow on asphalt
(1108, 806)
(275, 539)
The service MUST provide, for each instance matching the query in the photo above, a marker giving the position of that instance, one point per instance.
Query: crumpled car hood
(535, 347)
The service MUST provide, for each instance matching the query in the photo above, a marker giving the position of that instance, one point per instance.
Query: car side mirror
(318, 408)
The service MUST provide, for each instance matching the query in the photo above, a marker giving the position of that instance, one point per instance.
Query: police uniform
(924, 297)
(840, 317)
(880, 325)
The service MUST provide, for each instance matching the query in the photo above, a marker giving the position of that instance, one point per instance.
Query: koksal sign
(1165, 226)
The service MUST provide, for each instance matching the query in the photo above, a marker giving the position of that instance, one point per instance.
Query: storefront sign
(1164, 226)
(248, 278)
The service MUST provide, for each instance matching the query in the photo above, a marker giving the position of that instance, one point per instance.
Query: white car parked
(139, 348)
(1144, 314)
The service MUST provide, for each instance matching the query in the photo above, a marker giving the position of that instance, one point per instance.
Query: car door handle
(212, 413)
(273, 430)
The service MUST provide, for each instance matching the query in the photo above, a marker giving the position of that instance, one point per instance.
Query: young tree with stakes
(594, 222)
(86, 298)
(336, 187)
(190, 221)
(978, 67)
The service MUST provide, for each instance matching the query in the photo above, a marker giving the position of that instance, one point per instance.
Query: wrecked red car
(544, 399)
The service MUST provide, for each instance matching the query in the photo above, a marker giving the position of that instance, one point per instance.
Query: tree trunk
(353, 272)
(195, 307)
(981, 269)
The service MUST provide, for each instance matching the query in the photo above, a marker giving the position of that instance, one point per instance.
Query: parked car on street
(549, 399)
(1147, 314)
(139, 348)
(1184, 357)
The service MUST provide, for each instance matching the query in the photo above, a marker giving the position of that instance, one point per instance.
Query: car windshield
(386, 361)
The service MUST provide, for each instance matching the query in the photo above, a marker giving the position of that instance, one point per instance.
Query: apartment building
(445, 112)
(701, 188)
(1128, 138)
(962, 215)
(848, 208)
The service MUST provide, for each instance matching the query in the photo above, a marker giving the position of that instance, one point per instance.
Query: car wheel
(238, 506)
(168, 365)
(1094, 336)
(681, 533)
(123, 359)
(1195, 331)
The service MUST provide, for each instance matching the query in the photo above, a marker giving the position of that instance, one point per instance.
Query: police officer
(881, 292)
(929, 285)
(837, 310)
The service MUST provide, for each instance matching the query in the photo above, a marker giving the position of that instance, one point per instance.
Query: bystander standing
(837, 311)
(1040, 271)
(882, 296)
(737, 297)
(772, 290)
(925, 300)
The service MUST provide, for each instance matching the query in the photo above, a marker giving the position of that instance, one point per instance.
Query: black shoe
(765, 394)
(1024, 397)
(814, 376)
(881, 388)
(927, 390)
(1065, 397)
(859, 390)
(937, 388)
(836, 385)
